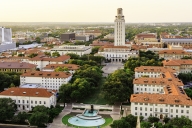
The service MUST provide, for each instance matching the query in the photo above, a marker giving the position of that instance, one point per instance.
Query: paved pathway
(57, 122)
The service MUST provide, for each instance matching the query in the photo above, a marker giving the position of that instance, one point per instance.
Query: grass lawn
(96, 97)
(108, 120)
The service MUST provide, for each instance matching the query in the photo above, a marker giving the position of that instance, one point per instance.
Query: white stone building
(27, 98)
(161, 105)
(48, 80)
(159, 97)
(76, 49)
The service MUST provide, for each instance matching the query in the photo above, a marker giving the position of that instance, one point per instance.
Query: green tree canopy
(7, 108)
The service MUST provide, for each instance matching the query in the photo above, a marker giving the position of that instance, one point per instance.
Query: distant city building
(81, 38)
(119, 28)
(27, 98)
(67, 37)
(6, 39)
(185, 42)
(76, 49)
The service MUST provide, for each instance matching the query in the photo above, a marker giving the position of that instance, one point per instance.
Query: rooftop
(32, 92)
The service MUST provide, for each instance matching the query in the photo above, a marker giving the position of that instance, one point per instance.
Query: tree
(95, 49)
(60, 69)
(47, 53)
(145, 124)
(118, 86)
(38, 39)
(65, 91)
(153, 119)
(7, 108)
(39, 118)
(55, 54)
(73, 56)
(20, 118)
(12, 85)
(32, 55)
(120, 124)
(21, 55)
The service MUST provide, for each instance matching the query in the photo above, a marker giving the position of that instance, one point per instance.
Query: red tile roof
(32, 92)
(16, 65)
(46, 74)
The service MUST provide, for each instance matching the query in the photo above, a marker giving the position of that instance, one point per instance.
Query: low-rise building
(16, 66)
(42, 61)
(145, 37)
(181, 66)
(117, 53)
(27, 98)
(160, 95)
(67, 37)
(173, 54)
(76, 49)
(70, 67)
(48, 80)
(152, 71)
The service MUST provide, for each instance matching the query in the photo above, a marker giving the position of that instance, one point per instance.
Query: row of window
(35, 102)
(162, 110)
(182, 106)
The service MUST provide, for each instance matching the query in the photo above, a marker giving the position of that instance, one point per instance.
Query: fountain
(89, 118)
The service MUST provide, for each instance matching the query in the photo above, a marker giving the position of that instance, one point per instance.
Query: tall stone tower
(119, 28)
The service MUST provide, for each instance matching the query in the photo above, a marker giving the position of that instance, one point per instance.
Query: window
(145, 109)
(150, 109)
(161, 110)
(23, 101)
(166, 110)
(145, 114)
(19, 101)
(135, 108)
(31, 101)
(181, 111)
(39, 102)
(35, 102)
(27, 101)
(187, 111)
(171, 110)
(140, 114)
(135, 113)
(176, 110)
(141, 108)
(44, 102)
(155, 109)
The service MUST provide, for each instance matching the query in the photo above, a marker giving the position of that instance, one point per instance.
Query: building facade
(47, 80)
(27, 98)
(160, 95)
(76, 49)
(181, 66)
(173, 54)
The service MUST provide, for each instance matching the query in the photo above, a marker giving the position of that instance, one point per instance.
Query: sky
(135, 11)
